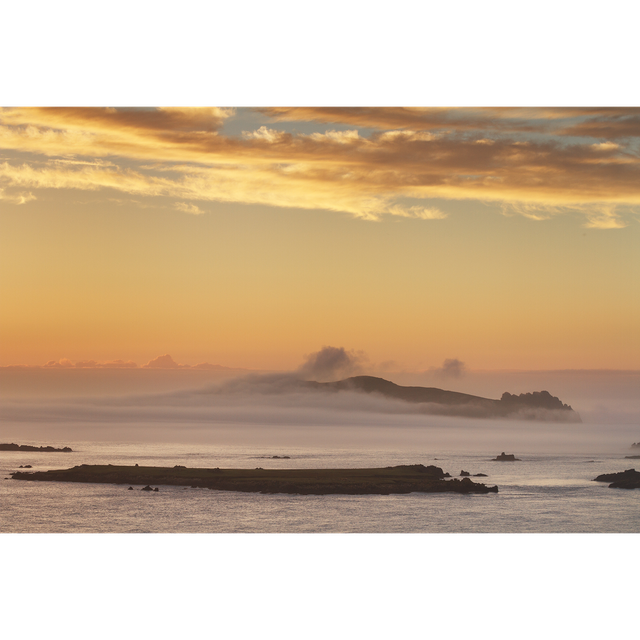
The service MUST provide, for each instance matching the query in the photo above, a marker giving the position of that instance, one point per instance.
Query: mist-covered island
(539, 405)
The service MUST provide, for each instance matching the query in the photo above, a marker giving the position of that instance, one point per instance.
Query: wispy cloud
(161, 362)
(16, 198)
(604, 218)
(65, 363)
(189, 207)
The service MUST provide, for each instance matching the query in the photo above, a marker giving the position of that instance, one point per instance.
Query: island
(28, 447)
(539, 405)
(384, 481)
(629, 479)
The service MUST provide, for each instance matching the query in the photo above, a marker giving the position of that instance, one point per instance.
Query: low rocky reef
(390, 480)
(629, 479)
(28, 447)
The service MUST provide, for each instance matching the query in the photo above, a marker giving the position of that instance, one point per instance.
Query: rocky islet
(385, 481)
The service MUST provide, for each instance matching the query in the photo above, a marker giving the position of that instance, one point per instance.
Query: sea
(542, 492)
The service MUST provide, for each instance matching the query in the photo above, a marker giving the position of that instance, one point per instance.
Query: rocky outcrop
(537, 399)
(390, 480)
(629, 479)
(28, 447)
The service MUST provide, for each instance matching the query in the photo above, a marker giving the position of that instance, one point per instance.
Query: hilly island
(539, 405)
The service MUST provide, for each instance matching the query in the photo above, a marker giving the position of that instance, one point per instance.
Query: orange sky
(506, 238)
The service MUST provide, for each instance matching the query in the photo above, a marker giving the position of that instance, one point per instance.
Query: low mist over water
(319, 416)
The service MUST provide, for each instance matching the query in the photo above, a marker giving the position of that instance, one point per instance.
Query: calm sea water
(541, 493)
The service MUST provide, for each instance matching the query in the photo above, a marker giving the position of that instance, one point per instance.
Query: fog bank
(293, 419)
(262, 408)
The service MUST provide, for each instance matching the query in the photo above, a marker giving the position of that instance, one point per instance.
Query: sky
(500, 238)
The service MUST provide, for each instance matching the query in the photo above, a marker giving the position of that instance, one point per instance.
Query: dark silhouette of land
(390, 480)
(629, 479)
(28, 447)
(539, 405)
(506, 457)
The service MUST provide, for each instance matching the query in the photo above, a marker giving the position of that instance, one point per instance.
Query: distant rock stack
(506, 457)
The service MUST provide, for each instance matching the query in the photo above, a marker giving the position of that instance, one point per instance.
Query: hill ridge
(540, 405)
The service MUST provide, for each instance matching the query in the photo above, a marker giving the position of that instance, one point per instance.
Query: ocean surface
(542, 493)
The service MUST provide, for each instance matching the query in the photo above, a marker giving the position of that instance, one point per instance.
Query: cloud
(327, 364)
(604, 218)
(451, 368)
(209, 367)
(161, 362)
(265, 134)
(422, 154)
(405, 117)
(619, 123)
(189, 208)
(331, 363)
(112, 364)
(343, 137)
(65, 363)
(167, 362)
(423, 213)
(405, 135)
(605, 146)
(51, 176)
(16, 198)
